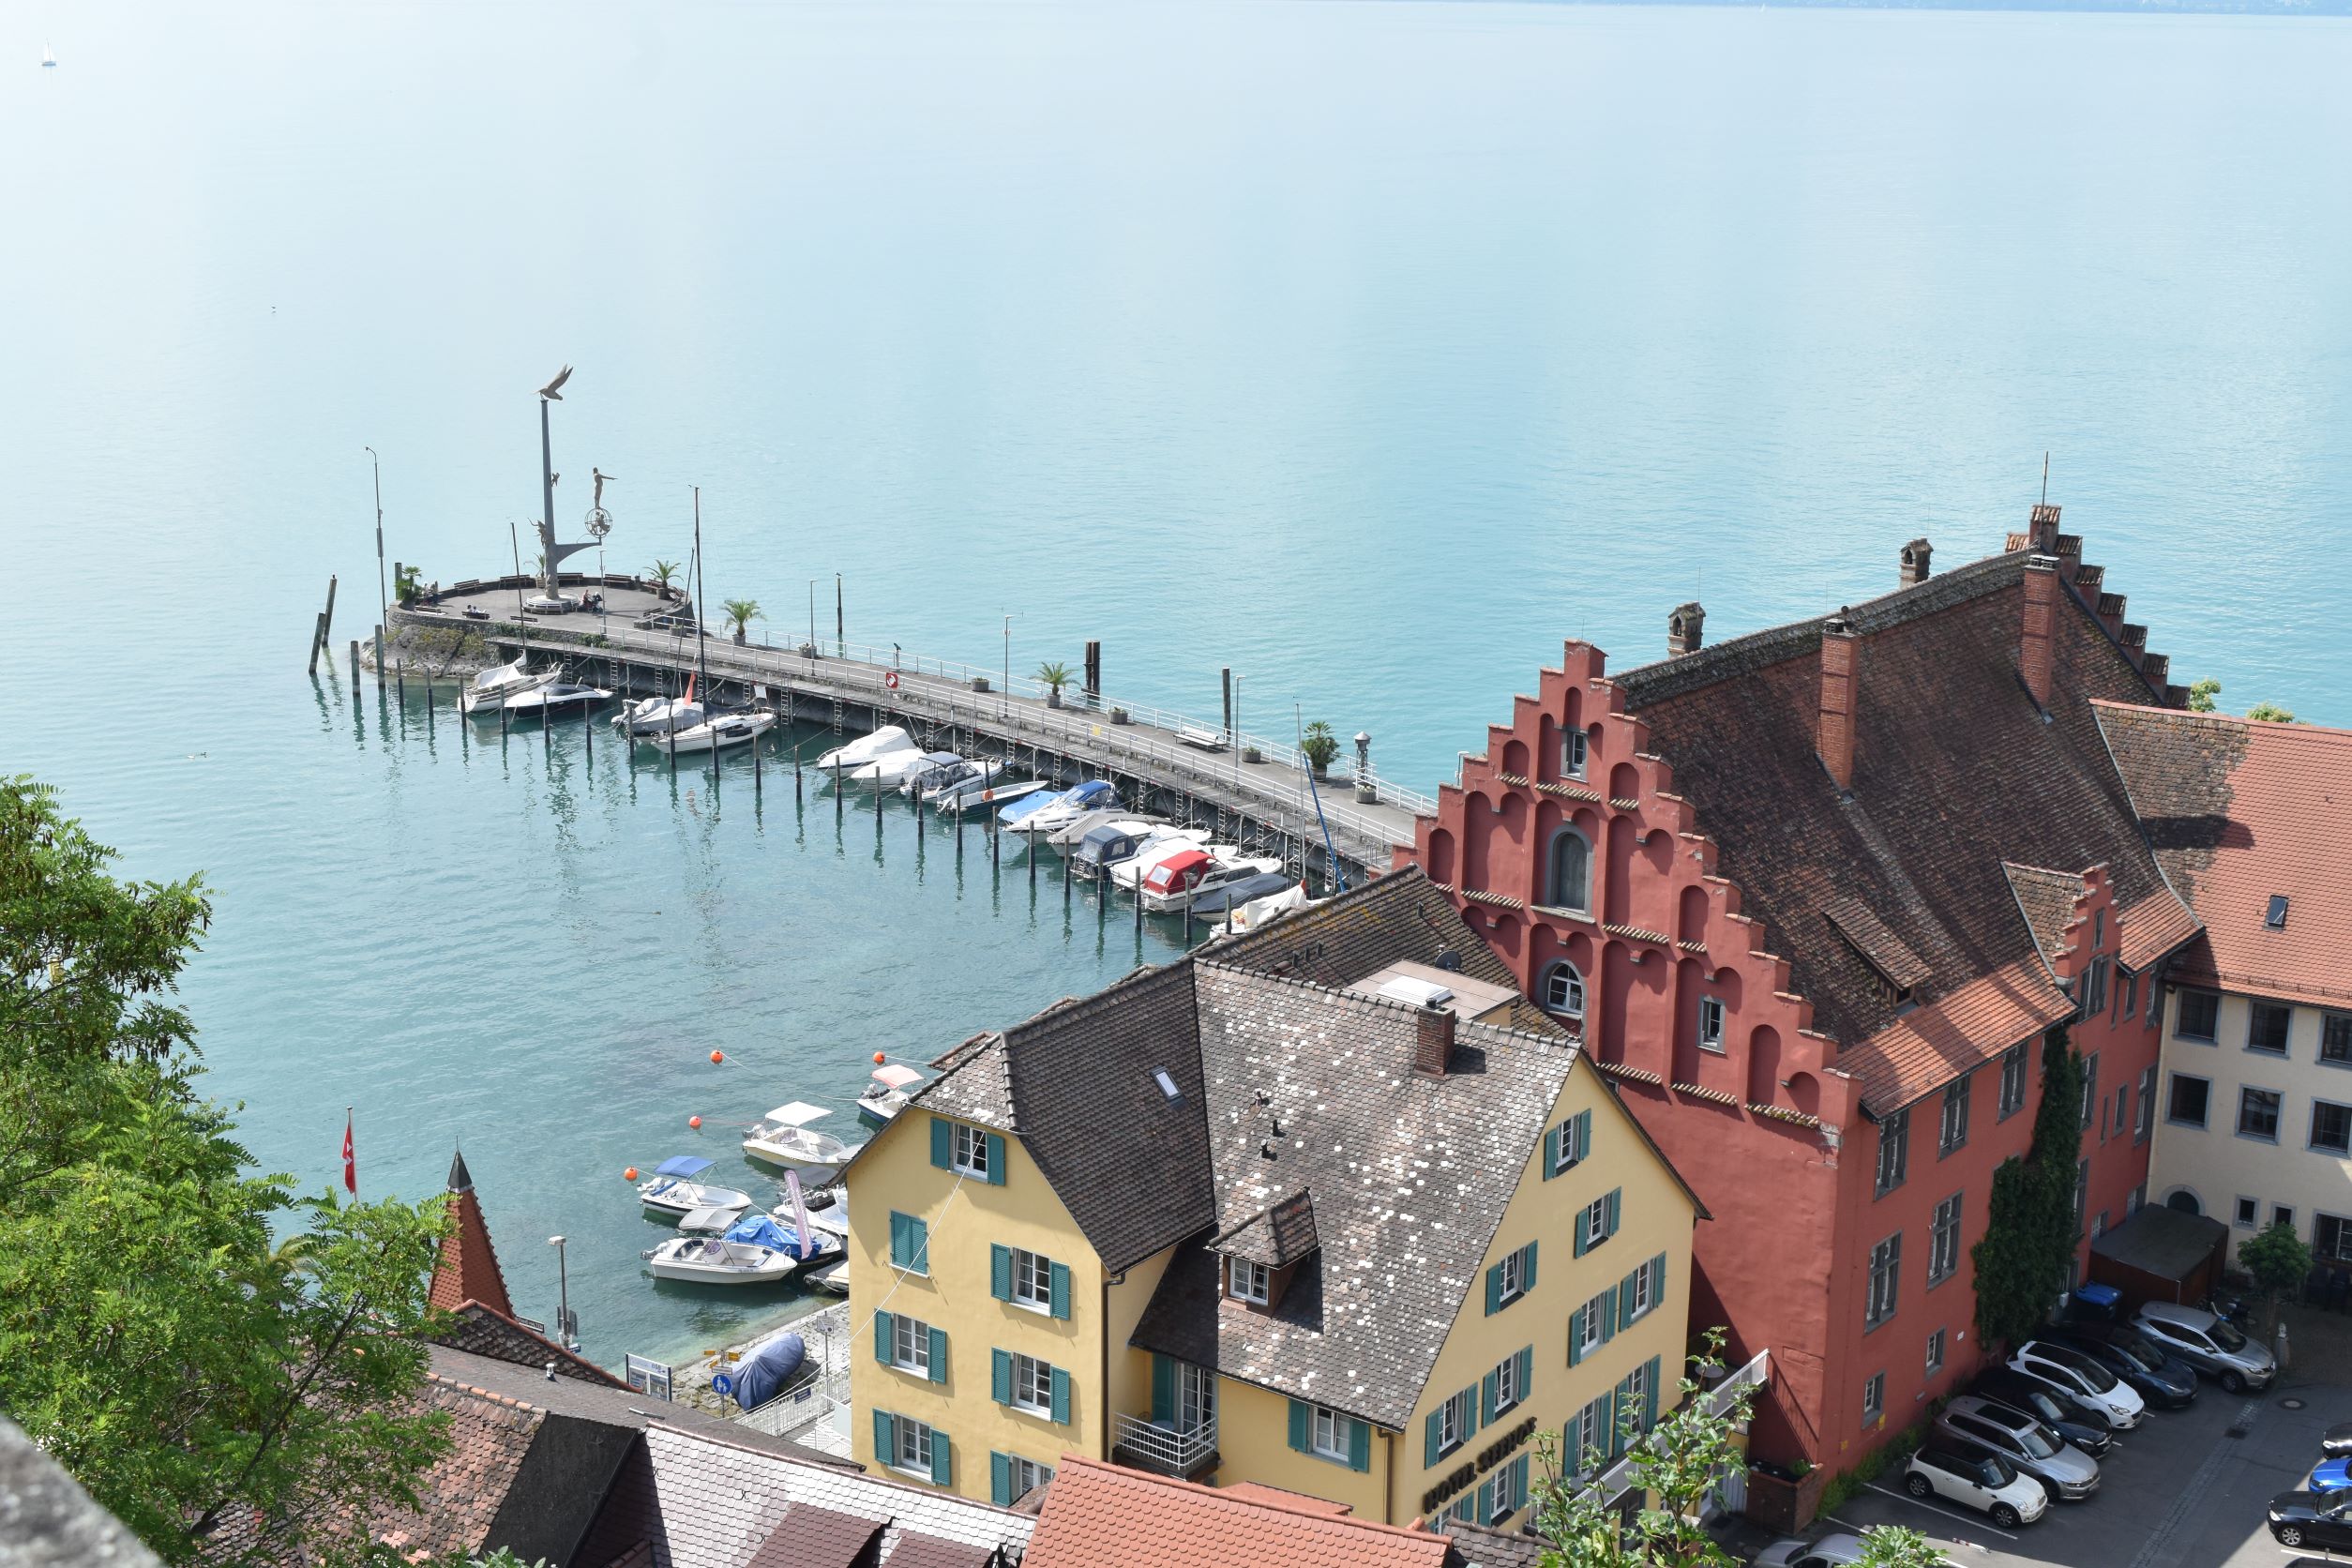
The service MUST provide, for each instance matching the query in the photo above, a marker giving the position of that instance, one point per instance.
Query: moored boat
(554, 695)
(716, 1261)
(716, 734)
(1252, 888)
(784, 1138)
(492, 689)
(1038, 817)
(673, 1190)
(980, 802)
(1178, 883)
(890, 738)
(658, 716)
(887, 1094)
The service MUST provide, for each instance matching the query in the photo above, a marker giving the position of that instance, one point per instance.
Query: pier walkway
(1261, 781)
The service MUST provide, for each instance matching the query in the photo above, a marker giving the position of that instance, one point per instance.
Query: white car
(1969, 1473)
(1839, 1551)
(2072, 1372)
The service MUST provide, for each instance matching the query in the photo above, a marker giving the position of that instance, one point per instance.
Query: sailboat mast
(522, 621)
(701, 659)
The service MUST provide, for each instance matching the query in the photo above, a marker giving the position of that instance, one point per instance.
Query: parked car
(2210, 1345)
(2336, 1440)
(1971, 1473)
(2322, 1519)
(1839, 1551)
(2070, 1371)
(2073, 1420)
(2162, 1380)
(2064, 1470)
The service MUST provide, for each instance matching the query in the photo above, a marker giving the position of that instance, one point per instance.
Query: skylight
(2275, 916)
(1167, 1085)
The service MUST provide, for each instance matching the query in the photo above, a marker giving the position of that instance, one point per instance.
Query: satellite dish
(1449, 960)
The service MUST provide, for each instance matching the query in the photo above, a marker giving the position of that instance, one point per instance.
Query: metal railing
(1756, 1374)
(1152, 1445)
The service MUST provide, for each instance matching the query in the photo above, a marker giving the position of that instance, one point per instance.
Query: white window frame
(968, 1151)
(1032, 1280)
(1574, 752)
(1569, 1154)
(1943, 1240)
(1327, 1433)
(1571, 1004)
(1032, 1384)
(1645, 1289)
(1885, 1268)
(1247, 1281)
(1894, 1151)
(1026, 1475)
(1513, 1270)
(911, 1345)
(1508, 1393)
(1453, 1423)
(2144, 1125)
(1711, 1024)
(908, 1435)
(1875, 1398)
(2012, 1094)
(1636, 1388)
(1952, 1129)
(1598, 1314)
(1594, 1221)
(1935, 1353)
(1591, 1448)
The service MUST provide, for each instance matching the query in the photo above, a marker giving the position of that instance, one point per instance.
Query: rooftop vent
(1167, 1085)
(1416, 993)
(2275, 916)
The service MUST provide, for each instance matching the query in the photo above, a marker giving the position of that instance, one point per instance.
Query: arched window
(1571, 885)
(1563, 991)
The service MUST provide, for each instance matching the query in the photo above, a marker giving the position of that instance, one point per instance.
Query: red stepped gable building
(1814, 897)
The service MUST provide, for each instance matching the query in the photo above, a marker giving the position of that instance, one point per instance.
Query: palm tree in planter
(1053, 677)
(740, 614)
(1318, 746)
(663, 574)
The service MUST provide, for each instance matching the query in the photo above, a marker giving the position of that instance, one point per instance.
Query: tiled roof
(1481, 1547)
(1930, 1045)
(1373, 925)
(1099, 1515)
(812, 1537)
(1956, 772)
(1275, 1236)
(2046, 900)
(468, 1270)
(929, 1551)
(2153, 927)
(487, 1332)
(489, 1438)
(1877, 942)
(1409, 1176)
(2241, 812)
(972, 1085)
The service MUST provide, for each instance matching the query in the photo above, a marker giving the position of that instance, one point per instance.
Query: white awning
(798, 1114)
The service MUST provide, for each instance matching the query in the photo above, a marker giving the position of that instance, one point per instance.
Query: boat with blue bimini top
(673, 1189)
(1041, 815)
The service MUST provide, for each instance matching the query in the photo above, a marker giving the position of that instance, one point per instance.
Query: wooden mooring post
(354, 669)
(319, 632)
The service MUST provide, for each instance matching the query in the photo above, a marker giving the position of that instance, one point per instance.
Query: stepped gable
(1105, 1515)
(468, 1270)
(2241, 812)
(1955, 769)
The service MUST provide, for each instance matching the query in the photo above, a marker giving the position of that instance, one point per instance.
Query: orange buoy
(629, 1175)
(695, 1121)
(880, 1058)
(718, 1056)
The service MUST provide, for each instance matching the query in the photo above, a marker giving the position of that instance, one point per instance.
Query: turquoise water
(1367, 348)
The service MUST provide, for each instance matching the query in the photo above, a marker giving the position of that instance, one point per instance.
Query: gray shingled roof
(1342, 940)
(1277, 1236)
(1409, 1176)
(972, 1085)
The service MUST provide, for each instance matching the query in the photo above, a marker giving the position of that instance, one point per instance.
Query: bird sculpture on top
(553, 390)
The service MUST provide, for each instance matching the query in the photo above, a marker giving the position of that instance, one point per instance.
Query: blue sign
(721, 1384)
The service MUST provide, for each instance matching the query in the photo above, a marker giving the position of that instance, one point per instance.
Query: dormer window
(1246, 1281)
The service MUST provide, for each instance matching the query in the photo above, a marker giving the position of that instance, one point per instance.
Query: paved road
(2178, 1493)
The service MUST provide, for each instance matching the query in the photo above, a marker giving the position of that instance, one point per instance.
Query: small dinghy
(887, 1094)
(783, 1138)
(674, 1189)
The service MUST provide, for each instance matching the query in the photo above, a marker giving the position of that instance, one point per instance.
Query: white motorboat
(1096, 794)
(1260, 912)
(673, 1190)
(554, 695)
(946, 789)
(783, 1138)
(1199, 887)
(718, 734)
(1069, 836)
(717, 1219)
(833, 1219)
(886, 1096)
(1162, 843)
(493, 688)
(980, 802)
(833, 1278)
(891, 772)
(1252, 888)
(715, 1260)
(883, 742)
(658, 716)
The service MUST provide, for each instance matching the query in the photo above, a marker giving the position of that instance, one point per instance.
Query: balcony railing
(1756, 1374)
(1156, 1446)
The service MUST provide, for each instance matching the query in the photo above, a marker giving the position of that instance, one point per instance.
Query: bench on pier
(1201, 740)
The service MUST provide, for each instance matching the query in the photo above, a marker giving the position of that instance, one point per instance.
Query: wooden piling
(379, 658)
(354, 669)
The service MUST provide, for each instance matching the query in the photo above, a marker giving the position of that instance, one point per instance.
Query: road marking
(1932, 1508)
(2156, 1551)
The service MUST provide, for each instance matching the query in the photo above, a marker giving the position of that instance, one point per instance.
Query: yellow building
(1330, 1209)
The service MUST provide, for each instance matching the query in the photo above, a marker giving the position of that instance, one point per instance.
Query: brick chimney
(1841, 681)
(1433, 1040)
(2042, 532)
(2037, 651)
(1915, 556)
(1686, 628)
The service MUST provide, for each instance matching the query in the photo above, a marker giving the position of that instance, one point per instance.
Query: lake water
(1367, 348)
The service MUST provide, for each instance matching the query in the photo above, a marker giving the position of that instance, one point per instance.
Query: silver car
(1837, 1550)
(2209, 1344)
(2063, 1469)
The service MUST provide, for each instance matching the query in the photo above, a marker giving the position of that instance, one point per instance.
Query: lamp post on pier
(1004, 706)
(565, 1333)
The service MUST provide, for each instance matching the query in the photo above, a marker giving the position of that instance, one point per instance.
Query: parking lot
(2185, 1490)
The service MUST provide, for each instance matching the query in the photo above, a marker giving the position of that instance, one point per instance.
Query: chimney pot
(1915, 556)
(2042, 531)
(1841, 677)
(2036, 652)
(1686, 628)
(1433, 1040)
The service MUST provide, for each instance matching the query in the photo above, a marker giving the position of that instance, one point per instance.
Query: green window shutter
(1489, 1391)
(1001, 1479)
(1617, 1419)
(939, 1355)
(1298, 1428)
(1163, 1391)
(1000, 1273)
(1359, 1445)
(1061, 1398)
(1431, 1440)
(898, 1239)
(942, 1142)
(1584, 1134)
(907, 1237)
(1576, 1338)
(1609, 1224)
(1518, 1482)
(1486, 1505)
(1494, 1289)
(996, 1159)
(1061, 1290)
(1609, 1319)
(1650, 1395)
(943, 1459)
(1526, 1359)
(1551, 1151)
(1625, 1302)
(885, 1438)
(1657, 1279)
(883, 1327)
(1470, 1414)
(1580, 1247)
(1527, 1272)
(1001, 1376)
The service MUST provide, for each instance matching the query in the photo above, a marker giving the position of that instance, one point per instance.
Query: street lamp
(566, 1333)
(1005, 707)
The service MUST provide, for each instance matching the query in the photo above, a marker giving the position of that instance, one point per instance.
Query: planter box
(1783, 1505)
(979, 683)
(1119, 715)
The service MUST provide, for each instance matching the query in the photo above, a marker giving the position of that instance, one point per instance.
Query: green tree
(2031, 1226)
(740, 613)
(1674, 1465)
(1897, 1547)
(663, 575)
(1318, 746)
(2278, 1261)
(2270, 713)
(1053, 675)
(188, 1367)
(2201, 694)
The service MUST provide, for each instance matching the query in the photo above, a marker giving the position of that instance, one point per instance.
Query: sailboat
(655, 717)
(48, 59)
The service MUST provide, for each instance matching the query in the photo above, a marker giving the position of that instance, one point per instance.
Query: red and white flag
(351, 1163)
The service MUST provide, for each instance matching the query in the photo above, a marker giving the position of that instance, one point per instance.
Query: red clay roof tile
(1099, 1515)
